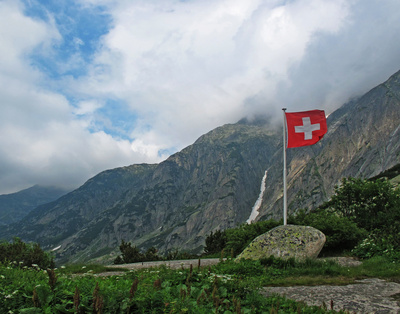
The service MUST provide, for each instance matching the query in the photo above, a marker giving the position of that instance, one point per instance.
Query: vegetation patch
(362, 218)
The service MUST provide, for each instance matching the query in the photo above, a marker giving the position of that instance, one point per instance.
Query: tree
(341, 233)
(215, 242)
(236, 239)
(130, 254)
(370, 204)
(25, 254)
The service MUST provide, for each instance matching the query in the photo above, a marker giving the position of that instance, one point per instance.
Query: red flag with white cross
(305, 128)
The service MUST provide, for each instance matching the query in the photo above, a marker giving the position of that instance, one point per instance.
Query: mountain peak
(214, 183)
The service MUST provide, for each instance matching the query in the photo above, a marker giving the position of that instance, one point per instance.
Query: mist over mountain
(214, 183)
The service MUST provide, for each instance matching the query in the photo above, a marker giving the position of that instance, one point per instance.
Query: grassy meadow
(228, 287)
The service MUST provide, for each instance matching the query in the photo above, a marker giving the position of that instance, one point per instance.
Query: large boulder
(287, 241)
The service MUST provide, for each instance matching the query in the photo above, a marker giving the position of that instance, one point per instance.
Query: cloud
(44, 138)
(186, 67)
(91, 85)
(346, 63)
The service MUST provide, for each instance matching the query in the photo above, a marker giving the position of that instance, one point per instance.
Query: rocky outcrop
(290, 241)
(371, 295)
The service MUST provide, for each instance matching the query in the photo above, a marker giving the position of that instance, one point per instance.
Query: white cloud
(187, 67)
(43, 138)
(348, 62)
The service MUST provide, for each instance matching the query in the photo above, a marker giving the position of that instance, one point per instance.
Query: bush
(132, 254)
(341, 233)
(175, 254)
(370, 204)
(239, 238)
(215, 242)
(243, 267)
(374, 246)
(357, 207)
(278, 262)
(25, 254)
(373, 206)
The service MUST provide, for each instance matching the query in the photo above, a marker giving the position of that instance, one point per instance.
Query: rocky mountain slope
(214, 183)
(15, 206)
(363, 140)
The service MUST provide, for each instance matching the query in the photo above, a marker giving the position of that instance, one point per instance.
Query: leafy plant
(215, 242)
(341, 233)
(235, 240)
(374, 245)
(229, 287)
(132, 254)
(370, 204)
(25, 254)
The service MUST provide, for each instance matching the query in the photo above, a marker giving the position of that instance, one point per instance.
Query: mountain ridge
(15, 206)
(213, 183)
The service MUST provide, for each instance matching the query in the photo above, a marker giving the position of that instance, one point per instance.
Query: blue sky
(89, 85)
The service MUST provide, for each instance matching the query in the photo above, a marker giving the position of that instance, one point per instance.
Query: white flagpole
(284, 170)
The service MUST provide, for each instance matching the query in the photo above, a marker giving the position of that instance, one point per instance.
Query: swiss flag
(305, 128)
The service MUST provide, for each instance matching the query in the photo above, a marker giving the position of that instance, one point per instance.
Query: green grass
(86, 268)
(228, 287)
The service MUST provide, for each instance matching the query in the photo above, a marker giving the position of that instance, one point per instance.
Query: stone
(299, 242)
(370, 295)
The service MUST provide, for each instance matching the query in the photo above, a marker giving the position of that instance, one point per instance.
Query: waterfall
(257, 204)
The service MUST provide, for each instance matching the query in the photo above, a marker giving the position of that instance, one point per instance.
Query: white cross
(307, 128)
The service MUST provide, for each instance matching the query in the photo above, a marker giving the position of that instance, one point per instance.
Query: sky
(90, 85)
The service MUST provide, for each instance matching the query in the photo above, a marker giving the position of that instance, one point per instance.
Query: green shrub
(237, 239)
(373, 206)
(215, 242)
(341, 233)
(132, 254)
(278, 262)
(156, 290)
(374, 246)
(25, 254)
(370, 204)
(175, 254)
(242, 267)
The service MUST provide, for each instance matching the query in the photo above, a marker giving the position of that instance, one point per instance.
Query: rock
(288, 241)
(370, 295)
